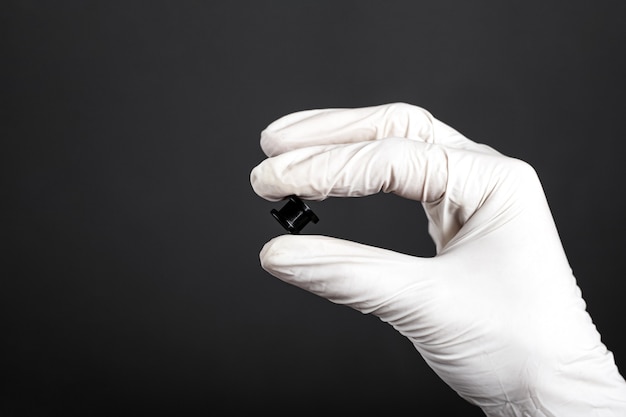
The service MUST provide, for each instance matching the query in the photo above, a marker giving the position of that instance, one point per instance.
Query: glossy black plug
(294, 215)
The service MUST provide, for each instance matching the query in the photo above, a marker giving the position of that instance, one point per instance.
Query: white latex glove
(496, 313)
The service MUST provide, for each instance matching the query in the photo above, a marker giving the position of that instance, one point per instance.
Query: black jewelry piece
(294, 215)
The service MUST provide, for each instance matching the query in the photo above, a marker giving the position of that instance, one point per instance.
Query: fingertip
(265, 254)
(262, 181)
(274, 253)
(273, 137)
(270, 142)
(254, 178)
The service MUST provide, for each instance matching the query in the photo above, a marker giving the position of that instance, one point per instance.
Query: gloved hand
(496, 313)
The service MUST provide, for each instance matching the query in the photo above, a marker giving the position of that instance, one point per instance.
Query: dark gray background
(130, 274)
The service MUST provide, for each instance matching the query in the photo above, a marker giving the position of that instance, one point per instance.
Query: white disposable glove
(496, 313)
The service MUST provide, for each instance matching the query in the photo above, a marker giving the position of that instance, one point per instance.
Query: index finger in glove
(411, 169)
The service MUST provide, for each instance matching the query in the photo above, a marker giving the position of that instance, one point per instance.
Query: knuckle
(407, 121)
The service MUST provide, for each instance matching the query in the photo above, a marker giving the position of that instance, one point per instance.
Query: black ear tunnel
(294, 215)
